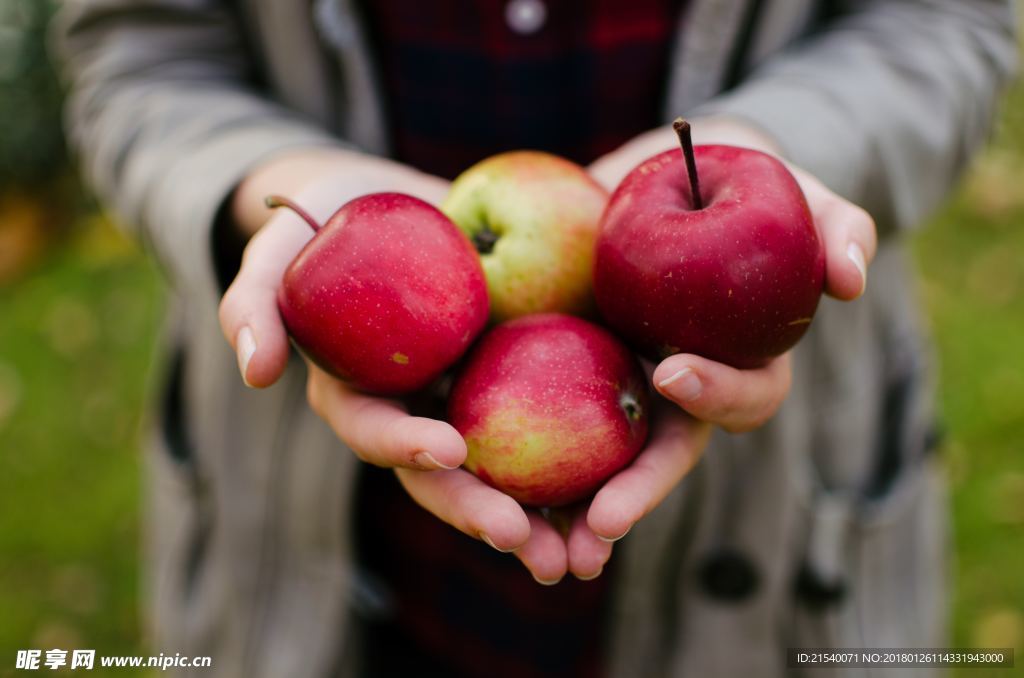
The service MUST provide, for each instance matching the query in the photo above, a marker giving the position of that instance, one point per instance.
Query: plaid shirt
(463, 84)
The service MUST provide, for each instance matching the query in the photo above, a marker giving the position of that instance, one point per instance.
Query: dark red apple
(734, 276)
(550, 406)
(386, 296)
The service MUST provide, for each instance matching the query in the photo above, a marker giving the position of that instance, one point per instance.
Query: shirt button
(525, 17)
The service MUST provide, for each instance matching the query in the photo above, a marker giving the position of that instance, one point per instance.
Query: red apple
(550, 407)
(734, 276)
(386, 296)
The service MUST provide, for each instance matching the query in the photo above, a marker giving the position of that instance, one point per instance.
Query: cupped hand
(742, 400)
(320, 181)
(425, 452)
(578, 539)
(706, 392)
(379, 431)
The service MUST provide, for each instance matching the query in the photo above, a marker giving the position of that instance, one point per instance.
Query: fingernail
(246, 343)
(427, 461)
(855, 254)
(487, 540)
(615, 539)
(683, 386)
(546, 582)
(590, 577)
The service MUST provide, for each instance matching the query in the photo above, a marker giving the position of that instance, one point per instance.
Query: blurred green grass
(971, 258)
(77, 340)
(76, 346)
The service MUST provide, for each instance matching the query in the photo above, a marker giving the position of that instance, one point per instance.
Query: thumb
(849, 236)
(248, 313)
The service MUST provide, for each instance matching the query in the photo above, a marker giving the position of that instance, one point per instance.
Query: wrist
(321, 180)
(734, 131)
(731, 130)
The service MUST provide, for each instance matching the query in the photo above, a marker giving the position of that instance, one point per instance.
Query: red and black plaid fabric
(462, 85)
(460, 609)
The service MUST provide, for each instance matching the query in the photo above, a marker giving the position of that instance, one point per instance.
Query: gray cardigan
(833, 510)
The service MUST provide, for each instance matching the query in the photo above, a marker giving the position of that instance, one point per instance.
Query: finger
(849, 237)
(736, 400)
(850, 242)
(675, 446)
(248, 311)
(467, 504)
(587, 552)
(380, 431)
(544, 553)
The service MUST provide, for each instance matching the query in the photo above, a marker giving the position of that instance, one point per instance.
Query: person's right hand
(320, 181)
(379, 431)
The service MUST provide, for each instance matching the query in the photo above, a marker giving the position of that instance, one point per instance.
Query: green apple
(533, 218)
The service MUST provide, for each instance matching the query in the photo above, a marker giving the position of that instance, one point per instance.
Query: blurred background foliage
(38, 190)
(30, 153)
(80, 311)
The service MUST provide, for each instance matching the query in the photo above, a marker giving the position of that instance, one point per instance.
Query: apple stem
(485, 239)
(275, 201)
(682, 128)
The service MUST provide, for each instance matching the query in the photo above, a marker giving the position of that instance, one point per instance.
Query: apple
(728, 266)
(533, 218)
(386, 295)
(550, 406)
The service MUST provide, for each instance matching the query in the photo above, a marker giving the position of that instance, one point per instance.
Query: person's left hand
(742, 400)
(707, 392)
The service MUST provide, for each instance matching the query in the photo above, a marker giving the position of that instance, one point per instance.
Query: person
(796, 505)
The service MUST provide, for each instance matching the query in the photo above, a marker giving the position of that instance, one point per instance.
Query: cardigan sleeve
(164, 115)
(886, 103)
